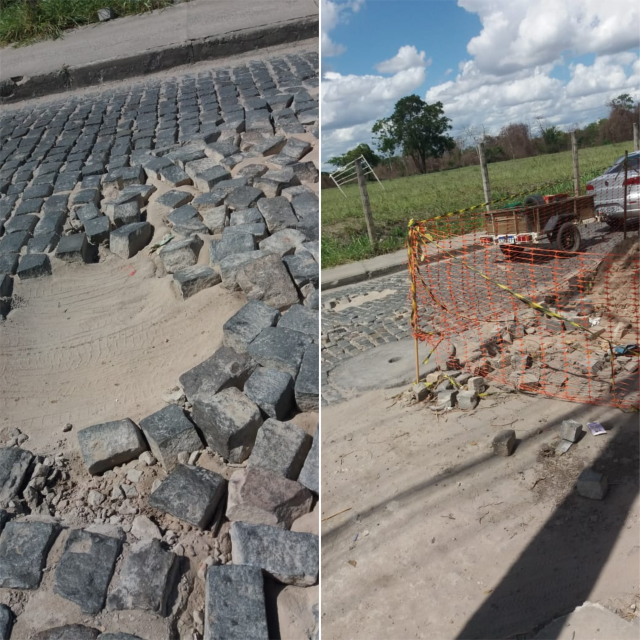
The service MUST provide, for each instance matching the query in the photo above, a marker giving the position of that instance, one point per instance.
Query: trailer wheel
(534, 200)
(511, 251)
(567, 238)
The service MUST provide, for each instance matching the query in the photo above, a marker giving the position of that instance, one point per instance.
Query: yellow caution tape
(453, 381)
(431, 352)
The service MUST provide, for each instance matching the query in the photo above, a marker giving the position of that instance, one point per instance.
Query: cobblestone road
(57, 145)
(218, 155)
(58, 155)
(361, 317)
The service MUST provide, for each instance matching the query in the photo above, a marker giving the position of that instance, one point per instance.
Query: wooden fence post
(626, 168)
(576, 167)
(636, 146)
(486, 186)
(366, 205)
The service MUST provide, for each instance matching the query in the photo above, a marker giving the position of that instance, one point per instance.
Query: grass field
(344, 236)
(20, 25)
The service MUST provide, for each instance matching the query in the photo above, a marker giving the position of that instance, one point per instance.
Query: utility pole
(485, 175)
(366, 205)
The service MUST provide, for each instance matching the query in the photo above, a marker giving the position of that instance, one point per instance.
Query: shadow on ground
(560, 566)
(547, 588)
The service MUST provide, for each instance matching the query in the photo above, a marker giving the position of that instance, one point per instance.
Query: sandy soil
(101, 342)
(105, 341)
(441, 539)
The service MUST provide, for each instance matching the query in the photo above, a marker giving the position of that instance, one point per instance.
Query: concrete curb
(355, 272)
(364, 270)
(154, 60)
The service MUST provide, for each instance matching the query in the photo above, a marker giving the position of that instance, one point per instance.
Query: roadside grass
(21, 24)
(344, 235)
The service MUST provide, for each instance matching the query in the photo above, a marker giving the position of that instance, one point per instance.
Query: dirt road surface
(441, 539)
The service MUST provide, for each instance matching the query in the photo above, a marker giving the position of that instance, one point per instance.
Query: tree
(554, 139)
(494, 153)
(473, 136)
(361, 150)
(591, 134)
(624, 101)
(516, 140)
(416, 128)
(623, 113)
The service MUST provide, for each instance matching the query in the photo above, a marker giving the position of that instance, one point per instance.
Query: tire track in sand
(94, 343)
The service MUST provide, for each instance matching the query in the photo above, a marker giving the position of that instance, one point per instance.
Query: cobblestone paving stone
(355, 329)
(65, 152)
(349, 329)
(58, 160)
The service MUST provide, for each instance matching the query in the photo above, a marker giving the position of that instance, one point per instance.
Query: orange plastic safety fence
(491, 308)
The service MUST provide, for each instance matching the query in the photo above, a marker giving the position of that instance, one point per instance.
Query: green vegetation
(25, 21)
(417, 128)
(344, 235)
(361, 150)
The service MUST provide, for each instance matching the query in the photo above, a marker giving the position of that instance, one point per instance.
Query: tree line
(415, 138)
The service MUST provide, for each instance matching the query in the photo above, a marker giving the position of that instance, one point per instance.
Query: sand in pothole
(101, 342)
(358, 301)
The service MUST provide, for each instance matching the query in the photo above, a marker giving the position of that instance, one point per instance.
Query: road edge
(385, 265)
(155, 60)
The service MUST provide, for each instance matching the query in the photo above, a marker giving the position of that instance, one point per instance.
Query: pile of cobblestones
(505, 347)
(151, 505)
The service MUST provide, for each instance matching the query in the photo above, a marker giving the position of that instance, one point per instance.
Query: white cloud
(408, 57)
(332, 14)
(348, 100)
(510, 76)
(606, 74)
(492, 101)
(520, 34)
(338, 141)
(351, 104)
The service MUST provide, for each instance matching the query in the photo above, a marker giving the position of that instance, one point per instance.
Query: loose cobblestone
(60, 156)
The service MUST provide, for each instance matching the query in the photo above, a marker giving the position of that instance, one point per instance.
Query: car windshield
(634, 165)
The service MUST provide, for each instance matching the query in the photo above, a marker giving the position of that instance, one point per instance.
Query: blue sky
(387, 22)
(490, 62)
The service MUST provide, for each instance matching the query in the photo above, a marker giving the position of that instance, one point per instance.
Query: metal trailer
(540, 220)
